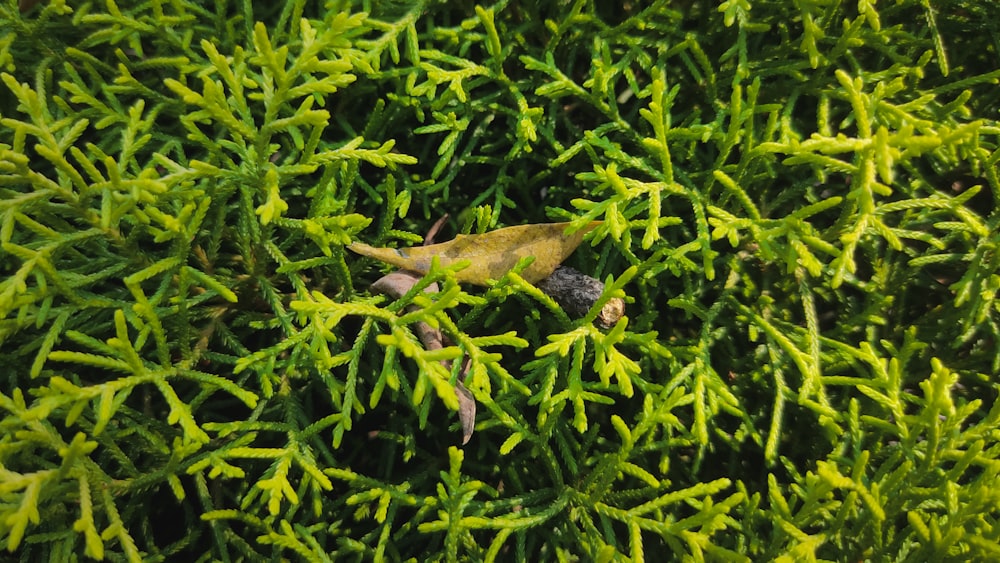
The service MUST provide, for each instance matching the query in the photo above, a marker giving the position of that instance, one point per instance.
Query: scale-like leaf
(490, 255)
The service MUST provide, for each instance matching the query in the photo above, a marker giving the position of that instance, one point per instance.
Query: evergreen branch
(178, 183)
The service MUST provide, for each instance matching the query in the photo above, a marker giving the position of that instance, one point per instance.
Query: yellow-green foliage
(798, 202)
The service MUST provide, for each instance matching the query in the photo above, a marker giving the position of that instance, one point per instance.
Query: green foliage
(798, 205)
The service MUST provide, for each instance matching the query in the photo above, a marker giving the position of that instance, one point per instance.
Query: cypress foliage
(797, 203)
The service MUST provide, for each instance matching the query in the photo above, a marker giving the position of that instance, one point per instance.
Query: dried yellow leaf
(492, 254)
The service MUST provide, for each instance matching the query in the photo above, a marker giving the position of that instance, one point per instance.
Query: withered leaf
(396, 284)
(466, 411)
(492, 254)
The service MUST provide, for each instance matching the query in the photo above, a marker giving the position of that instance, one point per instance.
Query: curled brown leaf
(490, 255)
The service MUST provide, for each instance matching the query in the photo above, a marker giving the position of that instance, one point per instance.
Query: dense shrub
(797, 203)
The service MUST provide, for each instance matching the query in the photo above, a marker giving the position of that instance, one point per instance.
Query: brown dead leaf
(466, 411)
(492, 254)
(396, 284)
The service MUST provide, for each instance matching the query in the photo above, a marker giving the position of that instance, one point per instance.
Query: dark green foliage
(798, 202)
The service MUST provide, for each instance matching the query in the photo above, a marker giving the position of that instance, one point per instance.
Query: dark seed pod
(577, 292)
